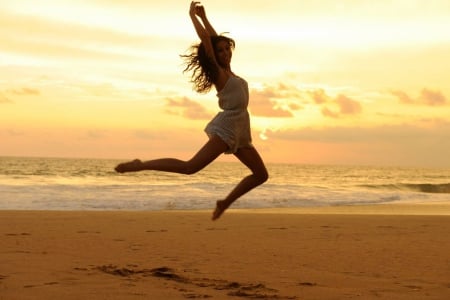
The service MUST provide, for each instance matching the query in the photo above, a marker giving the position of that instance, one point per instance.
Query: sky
(331, 82)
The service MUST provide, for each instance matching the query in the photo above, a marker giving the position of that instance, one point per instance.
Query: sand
(383, 252)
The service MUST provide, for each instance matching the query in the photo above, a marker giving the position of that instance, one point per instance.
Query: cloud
(25, 91)
(39, 37)
(334, 107)
(403, 97)
(319, 96)
(263, 106)
(14, 133)
(328, 113)
(423, 143)
(294, 106)
(432, 98)
(147, 134)
(427, 97)
(4, 99)
(434, 129)
(17, 92)
(282, 100)
(343, 105)
(275, 101)
(187, 108)
(279, 101)
(95, 134)
(348, 106)
(103, 90)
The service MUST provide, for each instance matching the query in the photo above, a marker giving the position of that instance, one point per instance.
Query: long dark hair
(204, 71)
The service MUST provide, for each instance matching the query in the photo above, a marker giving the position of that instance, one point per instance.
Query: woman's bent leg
(249, 157)
(208, 153)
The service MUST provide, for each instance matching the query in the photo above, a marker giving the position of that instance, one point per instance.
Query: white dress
(232, 124)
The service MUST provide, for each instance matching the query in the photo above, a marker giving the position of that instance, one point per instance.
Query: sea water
(92, 184)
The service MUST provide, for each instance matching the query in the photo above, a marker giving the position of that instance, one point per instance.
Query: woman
(229, 131)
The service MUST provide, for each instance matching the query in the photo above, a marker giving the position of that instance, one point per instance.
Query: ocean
(92, 184)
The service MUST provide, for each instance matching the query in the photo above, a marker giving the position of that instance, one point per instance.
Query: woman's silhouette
(229, 130)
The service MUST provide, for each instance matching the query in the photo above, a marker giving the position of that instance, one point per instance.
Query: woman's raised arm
(201, 31)
(200, 11)
(204, 31)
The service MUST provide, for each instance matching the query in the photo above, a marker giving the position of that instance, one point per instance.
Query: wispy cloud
(147, 134)
(40, 37)
(319, 96)
(335, 107)
(427, 97)
(25, 91)
(262, 105)
(432, 98)
(14, 132)
(187, 108)
(6, 95)
(436, 130)
(410, 144)
(348, 106)
(4, 99)
(278, 101)
(403, 97)
(95, 134)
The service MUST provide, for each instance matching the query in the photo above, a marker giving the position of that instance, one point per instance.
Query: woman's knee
(262, 176)
(190, 168)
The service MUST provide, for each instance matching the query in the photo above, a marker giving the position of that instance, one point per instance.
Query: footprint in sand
(248, 290)
(307, 283)
(213, 228)
(17, 234)
(413, 287)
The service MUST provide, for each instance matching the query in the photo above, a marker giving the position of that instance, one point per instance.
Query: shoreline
(436, 208)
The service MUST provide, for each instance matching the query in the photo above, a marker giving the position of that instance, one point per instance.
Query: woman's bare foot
(131, 166)
(221, 206)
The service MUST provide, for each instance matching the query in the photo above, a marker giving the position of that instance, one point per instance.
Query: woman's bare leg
(209, 152)
(249, 157)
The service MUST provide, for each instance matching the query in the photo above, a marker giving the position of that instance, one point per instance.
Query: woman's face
(223, 53)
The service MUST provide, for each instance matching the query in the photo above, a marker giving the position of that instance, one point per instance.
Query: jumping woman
(229, 130)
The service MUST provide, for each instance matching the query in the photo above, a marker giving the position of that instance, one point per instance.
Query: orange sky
(350, 83)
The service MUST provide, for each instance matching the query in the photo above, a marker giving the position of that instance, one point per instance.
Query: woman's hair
(204, 71)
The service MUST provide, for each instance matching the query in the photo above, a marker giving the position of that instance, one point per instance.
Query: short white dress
(232, 124)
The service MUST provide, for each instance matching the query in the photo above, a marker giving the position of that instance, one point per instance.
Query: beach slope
(302, 254)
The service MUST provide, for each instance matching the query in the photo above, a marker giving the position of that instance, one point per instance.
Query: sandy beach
(369, 252)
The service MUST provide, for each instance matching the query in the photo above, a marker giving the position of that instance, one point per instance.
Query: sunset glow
(349, 83)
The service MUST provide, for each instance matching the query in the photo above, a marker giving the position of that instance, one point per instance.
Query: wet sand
(370, 252)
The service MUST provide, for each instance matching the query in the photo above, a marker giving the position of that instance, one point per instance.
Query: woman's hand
(197, 9)
(200, 11)
(193, 8)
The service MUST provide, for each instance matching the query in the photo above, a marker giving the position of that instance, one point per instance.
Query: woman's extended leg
(249, 157)
(209, 152)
